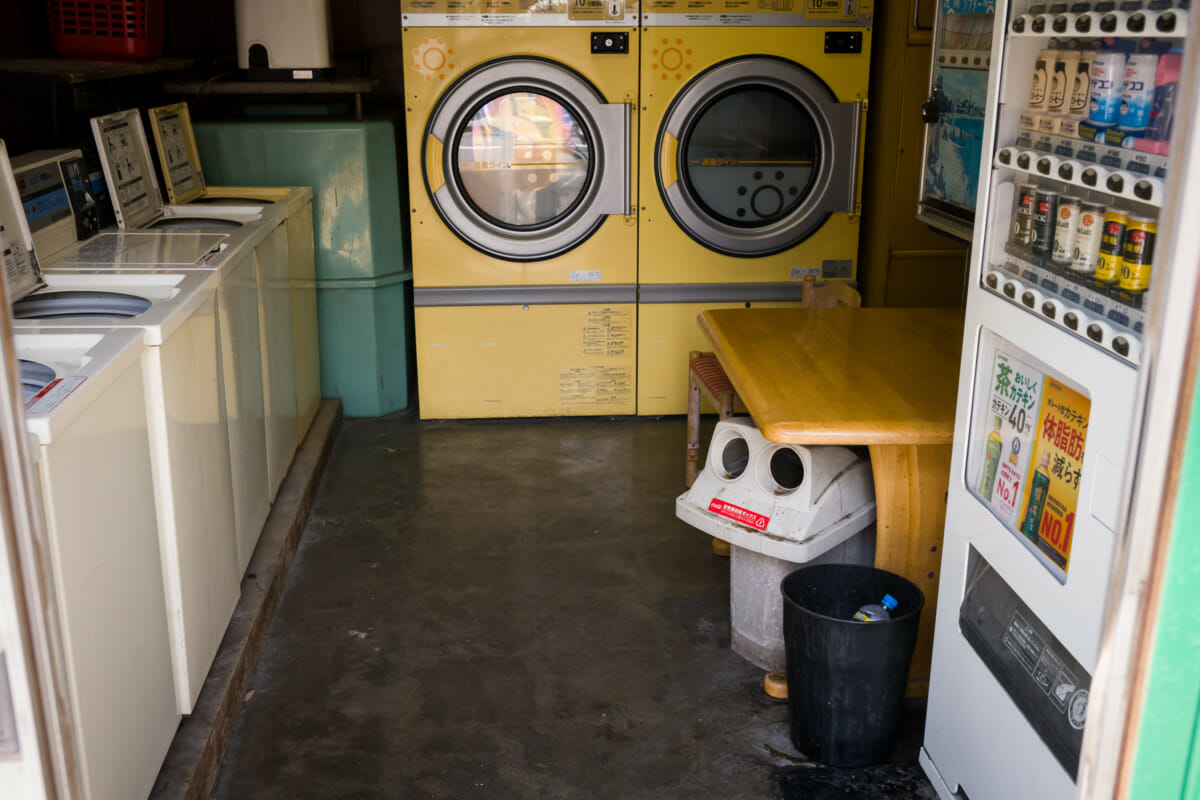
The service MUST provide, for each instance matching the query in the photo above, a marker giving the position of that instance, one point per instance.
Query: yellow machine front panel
(436, 57)
(525, 361)
(667, 332)
(671, 57)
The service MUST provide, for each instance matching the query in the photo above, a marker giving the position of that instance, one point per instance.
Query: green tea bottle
(991, 461)
(1038, 488)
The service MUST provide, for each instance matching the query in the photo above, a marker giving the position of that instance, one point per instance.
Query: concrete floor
(505, 609)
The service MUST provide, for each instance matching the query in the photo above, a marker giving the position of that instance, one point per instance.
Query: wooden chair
(706, 378)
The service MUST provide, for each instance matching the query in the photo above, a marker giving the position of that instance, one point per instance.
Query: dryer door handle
(845, 119)
(614, 195)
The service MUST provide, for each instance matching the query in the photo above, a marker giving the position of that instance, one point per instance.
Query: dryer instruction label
(595, 386)
(607, 332)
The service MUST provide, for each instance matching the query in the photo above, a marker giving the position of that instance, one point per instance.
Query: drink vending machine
(1083, 128)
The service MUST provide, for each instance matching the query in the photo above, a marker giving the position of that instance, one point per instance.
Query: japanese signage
(1048, 518)
(1026, 458)
(1013, 405)
(751, 519)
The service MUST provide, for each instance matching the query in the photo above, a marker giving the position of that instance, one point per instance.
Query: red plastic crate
(121, 29)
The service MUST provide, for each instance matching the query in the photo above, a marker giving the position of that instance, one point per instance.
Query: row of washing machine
(171, 369)
(583, 182)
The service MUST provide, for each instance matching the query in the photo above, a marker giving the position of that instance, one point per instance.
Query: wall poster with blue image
(958, 88)
(956, 141)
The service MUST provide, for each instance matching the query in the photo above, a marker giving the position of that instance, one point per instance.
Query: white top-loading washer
(255, 357)
(176, 314)
(86, 411)
(137, 202)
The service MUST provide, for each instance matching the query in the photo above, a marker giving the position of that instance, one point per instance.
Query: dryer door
(524, 160)
(755, 154)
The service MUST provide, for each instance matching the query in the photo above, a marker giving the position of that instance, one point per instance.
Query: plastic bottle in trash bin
(877, 612)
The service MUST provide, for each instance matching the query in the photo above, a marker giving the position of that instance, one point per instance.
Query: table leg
(910, 506)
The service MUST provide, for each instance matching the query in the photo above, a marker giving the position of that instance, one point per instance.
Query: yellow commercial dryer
(522, 169)
(751, 153)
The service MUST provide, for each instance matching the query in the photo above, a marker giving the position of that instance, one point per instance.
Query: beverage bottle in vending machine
(1162, 110)
(1039, 487)
(991, 461)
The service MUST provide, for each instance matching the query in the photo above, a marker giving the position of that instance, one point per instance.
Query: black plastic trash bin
(846, 679)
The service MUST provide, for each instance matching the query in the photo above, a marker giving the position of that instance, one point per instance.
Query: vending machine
(1090, 109)
(954, 115)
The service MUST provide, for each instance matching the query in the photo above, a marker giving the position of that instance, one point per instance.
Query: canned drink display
(1112, 239)
(1043, 68)
(1065, 226)
(1087, 238)
(1045, 211)
(1137, 254)
(1108, 73)
(1061, 81)
(1137, 93)
(1022, 227)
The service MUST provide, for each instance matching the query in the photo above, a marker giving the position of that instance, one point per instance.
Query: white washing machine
(183, 178)
(239, 310)
(125, 156)
(176, 312)
(86, 411)
(233, 258)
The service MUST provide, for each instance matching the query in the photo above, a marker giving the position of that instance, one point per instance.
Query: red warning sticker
(739, 514)
(52, 396)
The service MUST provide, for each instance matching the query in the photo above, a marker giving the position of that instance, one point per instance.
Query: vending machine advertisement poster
(1026, 456)
(1052, 493)
(1016, 391)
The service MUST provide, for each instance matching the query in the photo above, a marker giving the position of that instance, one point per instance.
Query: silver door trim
(839, 135)
(607, 125)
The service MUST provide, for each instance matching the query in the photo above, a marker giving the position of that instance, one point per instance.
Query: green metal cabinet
(363, 269)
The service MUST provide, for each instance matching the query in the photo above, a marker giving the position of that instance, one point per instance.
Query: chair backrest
(831, 294)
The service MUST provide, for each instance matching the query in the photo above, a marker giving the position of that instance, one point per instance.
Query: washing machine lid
(524, 159)
(754, 154)
(117, 249)
(178, 156)
(22, 272)
(125, 157)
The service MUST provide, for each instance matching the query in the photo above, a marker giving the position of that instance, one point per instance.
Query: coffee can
(1112, 238)
(1066, 225)
(1045, 211)
(1022, 227)
(1137, 254)
(1087, 238)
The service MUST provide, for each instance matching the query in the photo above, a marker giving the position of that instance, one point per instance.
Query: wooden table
(886, 378)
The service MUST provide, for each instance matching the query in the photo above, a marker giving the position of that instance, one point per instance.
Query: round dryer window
(754, 155)
(524, 160)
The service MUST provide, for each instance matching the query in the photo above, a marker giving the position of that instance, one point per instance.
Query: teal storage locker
(363, 269)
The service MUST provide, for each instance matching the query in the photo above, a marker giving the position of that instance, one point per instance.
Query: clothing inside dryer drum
(751, 156)
(523, 159)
